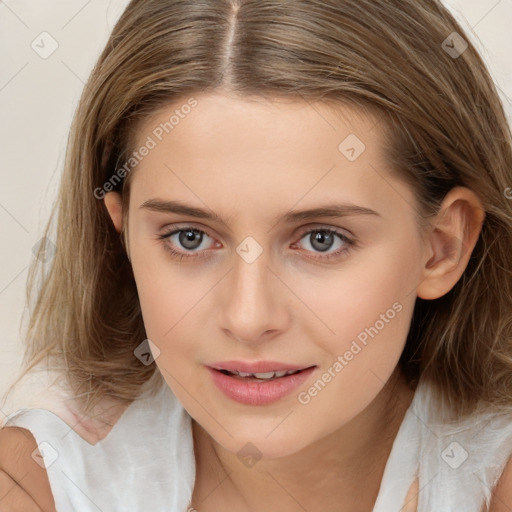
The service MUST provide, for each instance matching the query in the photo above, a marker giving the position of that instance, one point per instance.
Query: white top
(146, 462)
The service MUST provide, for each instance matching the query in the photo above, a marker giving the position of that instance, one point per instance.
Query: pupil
(188, 239)
(322, 237)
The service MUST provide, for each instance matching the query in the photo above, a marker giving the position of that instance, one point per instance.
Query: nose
(256, 302)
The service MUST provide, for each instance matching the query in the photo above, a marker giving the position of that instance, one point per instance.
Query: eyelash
(348, 243)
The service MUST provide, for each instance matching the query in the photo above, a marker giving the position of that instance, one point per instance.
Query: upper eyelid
(304, 230)
(322, 227)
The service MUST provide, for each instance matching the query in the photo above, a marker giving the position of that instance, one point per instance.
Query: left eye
(190, 239)
(323, 239)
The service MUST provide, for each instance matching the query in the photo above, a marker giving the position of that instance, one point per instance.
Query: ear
(114, 205)
(115, 209)
(453, 235)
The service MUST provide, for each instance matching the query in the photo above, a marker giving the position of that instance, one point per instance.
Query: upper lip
(257, 366)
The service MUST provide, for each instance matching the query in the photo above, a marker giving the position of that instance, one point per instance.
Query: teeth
(265, 375)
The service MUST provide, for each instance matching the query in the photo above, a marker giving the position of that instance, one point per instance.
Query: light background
(38, 98)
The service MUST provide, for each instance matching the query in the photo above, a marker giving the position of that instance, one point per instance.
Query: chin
(256, 444)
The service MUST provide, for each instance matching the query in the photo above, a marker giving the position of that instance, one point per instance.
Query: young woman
(283, 274)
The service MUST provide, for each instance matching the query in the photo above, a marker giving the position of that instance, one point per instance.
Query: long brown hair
(398, 58)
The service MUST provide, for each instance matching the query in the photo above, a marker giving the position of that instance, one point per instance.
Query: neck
(343, 467)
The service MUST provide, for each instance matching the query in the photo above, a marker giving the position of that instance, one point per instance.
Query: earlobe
(453, 236)
(114, 206)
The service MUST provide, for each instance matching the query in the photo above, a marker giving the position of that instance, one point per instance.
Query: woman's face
(333, 294)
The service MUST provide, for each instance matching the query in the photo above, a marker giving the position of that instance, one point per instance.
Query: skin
(251, 162)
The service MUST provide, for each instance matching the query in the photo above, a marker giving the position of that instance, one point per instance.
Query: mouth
(260, 383)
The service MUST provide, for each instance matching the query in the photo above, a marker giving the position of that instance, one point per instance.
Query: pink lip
(258, 393)
(256, 367)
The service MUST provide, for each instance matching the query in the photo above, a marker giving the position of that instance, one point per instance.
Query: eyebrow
(332, 210)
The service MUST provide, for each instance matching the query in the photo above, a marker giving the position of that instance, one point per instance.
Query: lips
(258, 388)
(258, 382)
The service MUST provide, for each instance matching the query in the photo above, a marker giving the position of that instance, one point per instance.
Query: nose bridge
(252, 305)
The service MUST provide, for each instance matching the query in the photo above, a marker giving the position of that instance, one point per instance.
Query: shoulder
(24, 484)
(411, 500)
(502, 495)
(42, 389)
(94, 427)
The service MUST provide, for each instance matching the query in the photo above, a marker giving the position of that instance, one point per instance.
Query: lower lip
(258, 393)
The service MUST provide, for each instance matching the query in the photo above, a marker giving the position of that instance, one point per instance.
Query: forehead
(212, 144)
(270, 122)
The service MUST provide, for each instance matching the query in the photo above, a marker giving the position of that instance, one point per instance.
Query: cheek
(172, 298)
(368, 311)
(375, 291)
(165, 293)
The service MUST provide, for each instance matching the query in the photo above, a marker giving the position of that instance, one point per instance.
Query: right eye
(187, 239)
